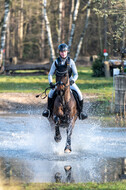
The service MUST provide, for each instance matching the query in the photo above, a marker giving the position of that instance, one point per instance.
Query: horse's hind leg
(57, 136)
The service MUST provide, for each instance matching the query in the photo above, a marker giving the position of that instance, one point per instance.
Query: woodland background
(32, 30)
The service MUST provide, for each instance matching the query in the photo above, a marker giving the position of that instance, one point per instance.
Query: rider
(61, 60)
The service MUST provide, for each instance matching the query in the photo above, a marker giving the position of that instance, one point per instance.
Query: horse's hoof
(58, 138)
(67, 149)
(58, 177)
(67, 168)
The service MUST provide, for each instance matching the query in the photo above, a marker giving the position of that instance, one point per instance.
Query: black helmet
(63, 47)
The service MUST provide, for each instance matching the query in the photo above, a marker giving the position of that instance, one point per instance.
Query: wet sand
(10, 102)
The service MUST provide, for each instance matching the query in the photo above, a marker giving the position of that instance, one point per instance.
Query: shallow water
(28, 152)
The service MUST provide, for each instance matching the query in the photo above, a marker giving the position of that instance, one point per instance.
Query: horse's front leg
(56, 119)
(69, 133)
(57, 136)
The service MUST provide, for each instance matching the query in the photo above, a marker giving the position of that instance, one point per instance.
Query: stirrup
(46, 113)
(82, 116)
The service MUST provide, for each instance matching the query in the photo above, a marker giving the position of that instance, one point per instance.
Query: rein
(40, 95)
(56, 84)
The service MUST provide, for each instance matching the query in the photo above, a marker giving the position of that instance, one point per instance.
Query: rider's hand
(71, 82)
(52, 85)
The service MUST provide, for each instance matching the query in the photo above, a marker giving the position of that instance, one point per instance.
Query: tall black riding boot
(82, 116)
(48, 111)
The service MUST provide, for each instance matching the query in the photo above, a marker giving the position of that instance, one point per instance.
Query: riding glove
(71, 82)
(52, 85)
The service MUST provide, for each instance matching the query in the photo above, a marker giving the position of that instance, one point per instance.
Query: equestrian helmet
(63, 47)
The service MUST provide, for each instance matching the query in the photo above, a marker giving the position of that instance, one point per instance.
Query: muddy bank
(27, 102)
(11, 102)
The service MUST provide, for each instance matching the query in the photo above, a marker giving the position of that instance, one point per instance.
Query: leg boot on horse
(82, 116)
(57, 136)
(48, 111)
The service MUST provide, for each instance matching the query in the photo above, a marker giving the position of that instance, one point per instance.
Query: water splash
(34, 135)
(30, 138)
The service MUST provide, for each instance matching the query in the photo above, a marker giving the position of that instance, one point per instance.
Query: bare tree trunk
(105, 26)
(30, 15)
(48, 32)
(71, 15)
(124, 34)
(42, 43)
(20, 31)
(99, 32)
(4, 31)
(63, 21)
(60, 20)
(8, 38)
(12, 34)
(105, 32)
(74, 22)
(84, 31)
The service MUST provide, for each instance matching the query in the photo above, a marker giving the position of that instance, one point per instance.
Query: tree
(60, 21)
(20, 29)
(83, 32)
(74, 23)
(4, 30)
(124, 24)
(48, 31)
(112, 12)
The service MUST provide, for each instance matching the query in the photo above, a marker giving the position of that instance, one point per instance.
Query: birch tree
(124, 24)
(71, 15)
(8, 38)
(63, 21)
(4, 31)
(75, 14)
(83, 32)
(60, 20)
(42, 38)
(48, 29)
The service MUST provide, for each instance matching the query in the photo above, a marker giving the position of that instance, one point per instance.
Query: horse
(64, 112)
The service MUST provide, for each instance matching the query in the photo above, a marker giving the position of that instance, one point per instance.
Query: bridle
(59, 74)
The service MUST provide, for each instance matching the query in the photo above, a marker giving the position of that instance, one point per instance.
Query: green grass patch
(99, 86)
(67, 186)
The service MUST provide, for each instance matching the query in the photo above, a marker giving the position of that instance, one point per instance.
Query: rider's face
(63, 54)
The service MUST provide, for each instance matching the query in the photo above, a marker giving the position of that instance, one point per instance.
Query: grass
(99, 86)
(67, 186)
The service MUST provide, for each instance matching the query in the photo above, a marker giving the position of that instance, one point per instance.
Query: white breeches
(73, 87)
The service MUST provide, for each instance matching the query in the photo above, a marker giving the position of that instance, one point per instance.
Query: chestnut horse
(65, 109)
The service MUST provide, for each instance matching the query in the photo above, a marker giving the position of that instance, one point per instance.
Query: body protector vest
(62, 69)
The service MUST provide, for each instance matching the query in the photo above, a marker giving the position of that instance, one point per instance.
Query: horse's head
(62, 81)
